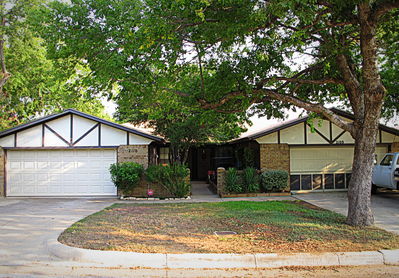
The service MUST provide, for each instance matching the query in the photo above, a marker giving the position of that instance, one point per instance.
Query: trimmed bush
(172, 177)
(274, 180)
(250, 180)
(233, 181)
(126, 175)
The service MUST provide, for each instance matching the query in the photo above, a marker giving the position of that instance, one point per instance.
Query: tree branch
(313, 107)
(307, 81)
(383, 8)
(351, 83)
(267, 93)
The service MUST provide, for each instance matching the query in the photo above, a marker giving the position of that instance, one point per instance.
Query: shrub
(233, 181)
(171, 177)
(274, 180)
(126, 175)
(250, 180)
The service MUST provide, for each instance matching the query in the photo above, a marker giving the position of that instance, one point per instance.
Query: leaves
(39, 85)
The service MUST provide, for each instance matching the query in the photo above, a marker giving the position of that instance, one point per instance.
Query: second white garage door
(60, 172)
(323, 168)
(325, 159)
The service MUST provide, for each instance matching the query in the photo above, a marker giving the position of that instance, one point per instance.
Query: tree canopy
(181, 121)
(32, 84)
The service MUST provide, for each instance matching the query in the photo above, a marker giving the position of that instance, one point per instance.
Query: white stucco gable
(72, 129)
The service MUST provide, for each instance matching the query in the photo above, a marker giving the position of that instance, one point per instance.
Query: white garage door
(60, 172)
(323, 168)
(325, 159)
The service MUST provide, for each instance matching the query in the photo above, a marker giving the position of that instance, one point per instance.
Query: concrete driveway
(385, 206)
(27, 224)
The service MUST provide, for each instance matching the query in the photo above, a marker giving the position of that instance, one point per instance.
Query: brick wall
(220, 181)
(395, 147)
(275, 157)
(2, 172)
(135, 153)
(141, 190)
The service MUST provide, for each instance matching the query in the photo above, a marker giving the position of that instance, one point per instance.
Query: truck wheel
(373, 189)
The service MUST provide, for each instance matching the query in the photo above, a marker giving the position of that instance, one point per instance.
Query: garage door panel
(330, 167)
(60, 173)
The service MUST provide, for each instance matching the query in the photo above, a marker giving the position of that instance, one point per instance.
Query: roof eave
(81, 114)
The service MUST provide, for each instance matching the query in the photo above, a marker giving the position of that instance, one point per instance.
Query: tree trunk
(359, 191)
(367, 108)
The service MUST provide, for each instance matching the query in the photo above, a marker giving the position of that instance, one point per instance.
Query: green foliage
(274, 180)
(218, 50)
(233, 183)
(245, 156)
(38, 85)
(126, 175)
(250, 180)
(172, 177)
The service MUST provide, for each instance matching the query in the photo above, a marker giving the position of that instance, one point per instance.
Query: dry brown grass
(261, 227)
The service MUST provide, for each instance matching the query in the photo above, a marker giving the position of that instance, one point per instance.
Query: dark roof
(304, 119)
(81, 114)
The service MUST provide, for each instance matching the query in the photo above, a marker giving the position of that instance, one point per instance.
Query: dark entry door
(200, 163)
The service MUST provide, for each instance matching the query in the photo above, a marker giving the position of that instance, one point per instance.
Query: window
(387, 160)
(319, 181)
(163, 155)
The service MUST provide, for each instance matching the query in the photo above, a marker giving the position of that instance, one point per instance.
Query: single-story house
(69, 154)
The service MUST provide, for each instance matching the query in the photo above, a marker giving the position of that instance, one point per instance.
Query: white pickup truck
(386, 174)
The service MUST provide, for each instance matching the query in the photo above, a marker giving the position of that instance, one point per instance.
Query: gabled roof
(293, 122)
(81, 114)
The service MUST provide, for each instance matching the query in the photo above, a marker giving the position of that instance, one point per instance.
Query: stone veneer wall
(2, 172)
(220, 180)
(395, 147)
(134, 153)
(138, 154)
(275, 157)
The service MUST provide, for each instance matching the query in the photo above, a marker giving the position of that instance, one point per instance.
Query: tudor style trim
(43, 133)
(60, 148)
(85, 134)
(321, 135)
(305, 133)
(291, 123)
(338, 136)
(99, 134)
(16, 129)
(58, 135)
(71, 129)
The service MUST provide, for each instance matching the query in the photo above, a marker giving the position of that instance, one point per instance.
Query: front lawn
(260, 227)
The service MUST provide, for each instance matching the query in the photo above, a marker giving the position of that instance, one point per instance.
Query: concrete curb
(215, 260)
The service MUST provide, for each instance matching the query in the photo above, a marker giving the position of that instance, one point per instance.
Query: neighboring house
(68, 154)
(318, 159)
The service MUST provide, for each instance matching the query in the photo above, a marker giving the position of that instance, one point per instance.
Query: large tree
(31, 84)
(266, 55)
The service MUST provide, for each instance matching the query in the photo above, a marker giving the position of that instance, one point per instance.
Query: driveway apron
(27, 224)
